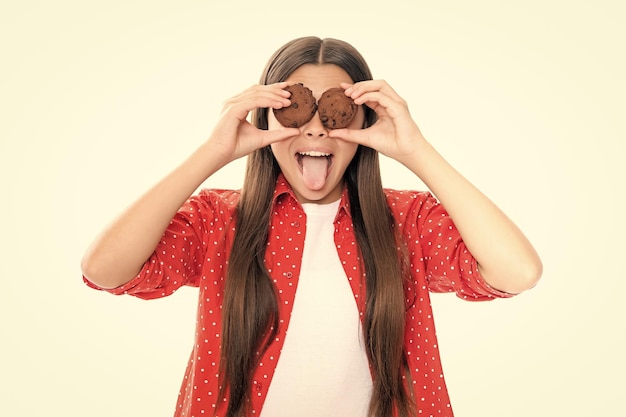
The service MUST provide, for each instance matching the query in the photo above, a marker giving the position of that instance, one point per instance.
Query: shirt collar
(283, 190)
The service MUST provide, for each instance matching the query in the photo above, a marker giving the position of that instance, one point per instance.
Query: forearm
(506, 259)
(120, 251)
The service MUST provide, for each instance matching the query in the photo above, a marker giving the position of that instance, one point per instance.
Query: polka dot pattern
(195, 248)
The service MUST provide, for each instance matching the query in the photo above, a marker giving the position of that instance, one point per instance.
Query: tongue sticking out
(314, 171)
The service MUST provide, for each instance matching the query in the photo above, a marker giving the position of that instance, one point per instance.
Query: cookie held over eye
(302, 108)
(336, 109)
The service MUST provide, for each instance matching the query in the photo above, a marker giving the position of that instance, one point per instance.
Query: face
(313, 163)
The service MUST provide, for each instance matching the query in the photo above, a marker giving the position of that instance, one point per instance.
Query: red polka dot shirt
(194, 251)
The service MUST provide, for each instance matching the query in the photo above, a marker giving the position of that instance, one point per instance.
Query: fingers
(358, 136)
(257, 96)
(276, 135)
(376, 94)
(235, 135)
(363, 87)
(394, 130)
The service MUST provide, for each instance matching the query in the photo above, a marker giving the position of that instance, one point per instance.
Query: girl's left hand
(395, 133)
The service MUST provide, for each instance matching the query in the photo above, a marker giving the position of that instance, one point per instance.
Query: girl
(314, 280)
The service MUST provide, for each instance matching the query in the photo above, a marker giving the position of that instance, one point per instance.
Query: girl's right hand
(121, 250)
(234, 136)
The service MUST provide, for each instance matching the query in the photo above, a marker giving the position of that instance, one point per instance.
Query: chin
(327, 194)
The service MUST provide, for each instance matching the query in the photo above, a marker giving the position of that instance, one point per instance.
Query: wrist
(422, 152)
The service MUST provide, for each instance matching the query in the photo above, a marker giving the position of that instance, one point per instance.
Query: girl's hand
(394, 134)
(511, 266)
(134, 235)
(234, 136)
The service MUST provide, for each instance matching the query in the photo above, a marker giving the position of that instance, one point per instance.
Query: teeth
(314, 153)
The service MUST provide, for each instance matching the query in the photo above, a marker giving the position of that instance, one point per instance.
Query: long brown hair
(250, 311)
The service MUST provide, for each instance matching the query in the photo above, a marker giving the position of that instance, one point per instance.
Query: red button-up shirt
(194, 251)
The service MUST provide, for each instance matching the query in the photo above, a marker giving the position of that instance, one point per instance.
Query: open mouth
(315, 166)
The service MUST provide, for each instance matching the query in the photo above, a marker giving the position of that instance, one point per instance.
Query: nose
(314, 129)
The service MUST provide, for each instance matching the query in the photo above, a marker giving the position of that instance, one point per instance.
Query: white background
(98, 100)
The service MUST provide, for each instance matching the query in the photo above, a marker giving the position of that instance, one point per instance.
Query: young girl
(314, 280)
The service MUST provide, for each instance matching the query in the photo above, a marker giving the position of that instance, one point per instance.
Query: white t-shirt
(323, 369)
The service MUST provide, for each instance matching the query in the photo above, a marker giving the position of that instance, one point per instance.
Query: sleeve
(447, 263)
(179, 257)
